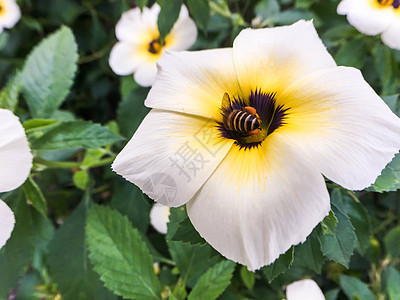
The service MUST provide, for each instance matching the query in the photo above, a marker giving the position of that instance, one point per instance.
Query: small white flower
(305, 289)
(159, 217)
(139, 46)
(15, 165)
(374, 17)
(9, 14)
(250, 170)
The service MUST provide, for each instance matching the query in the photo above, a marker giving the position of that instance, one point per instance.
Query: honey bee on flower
(139, 46)
(374, 17)
(253, 194)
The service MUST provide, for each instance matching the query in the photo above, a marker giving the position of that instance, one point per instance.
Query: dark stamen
(396, 3)
(154, 46)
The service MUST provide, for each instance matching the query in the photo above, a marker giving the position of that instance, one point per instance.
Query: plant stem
(70, 164)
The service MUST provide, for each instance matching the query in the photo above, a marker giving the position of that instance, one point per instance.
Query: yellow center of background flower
(2, 8)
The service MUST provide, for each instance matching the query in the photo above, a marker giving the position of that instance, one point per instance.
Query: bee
(245, 121)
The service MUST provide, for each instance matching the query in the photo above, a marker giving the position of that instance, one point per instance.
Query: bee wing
(226, 102)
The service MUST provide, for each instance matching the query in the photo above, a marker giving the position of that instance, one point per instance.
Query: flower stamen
(155, 46)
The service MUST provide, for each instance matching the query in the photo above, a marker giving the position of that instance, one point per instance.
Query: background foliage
(82, 232)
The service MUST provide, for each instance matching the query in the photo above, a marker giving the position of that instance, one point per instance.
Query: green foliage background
(82, 232)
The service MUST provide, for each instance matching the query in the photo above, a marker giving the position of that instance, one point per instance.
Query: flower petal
(368, 16)
(136, 26)
(271, 58)
(341, 125)
(146, 74)
(15, 155)
(171, 155)
(184, 33)
(7, 222)
(12, 14)
(125, 58)
(159, 217)
(305, 289)
(194, 82)
(259, 202)
(391, 36)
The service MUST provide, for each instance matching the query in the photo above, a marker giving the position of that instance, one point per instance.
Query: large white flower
(139, 46)
(15, 166)
(373, 17)
(252, 193)
(9, 14)
(305, 289)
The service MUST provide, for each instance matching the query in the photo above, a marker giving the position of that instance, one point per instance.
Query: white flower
(139, 46)
(305, 289)
(252, 195)
(373, 17)
(9, 14)
(159, 217)
(15, 165)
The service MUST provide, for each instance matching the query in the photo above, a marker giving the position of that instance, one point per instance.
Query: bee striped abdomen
(241, 121)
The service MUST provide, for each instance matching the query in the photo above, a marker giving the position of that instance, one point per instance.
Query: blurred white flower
(139, 46)
(373, 17)
(15, 165)
(9, 14)
(244, 135)
(305, 289)
(159, 217)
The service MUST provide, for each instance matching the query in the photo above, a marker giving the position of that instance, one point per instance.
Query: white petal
(12, 14)
(171, 155)
(15, 155)
(305, 289)
(368, 17)
(391, 36)
(194, 82)
(159, 217)
(271, 58)
(7, 222)
(342, 125)
(184, 33)
(125, 58)
(146, 74)
(259, 202)
(135, 26)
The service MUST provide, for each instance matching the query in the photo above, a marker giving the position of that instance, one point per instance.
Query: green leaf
(10, 93)
(35, 196)
(49, 71)
(386, 67)
(81, 179)
(332, 294)
(267, 8)
(200, 10)
(248, 277)
(129, 200)
(92, 156)
(69, 265)
(341, 246)
(389, 180)
(141, 3)
(280, 265)
(213, 282)
(328, 224)
(177, 215)
(393, 102)
(74, 134)
(192, 260)
(168, 15)
(391, 282)
(120, 256)
(352, 54)
(309, 254)
(186, 233)
(16, 254)
(355, 289)
(38, 124)
(392, 242)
